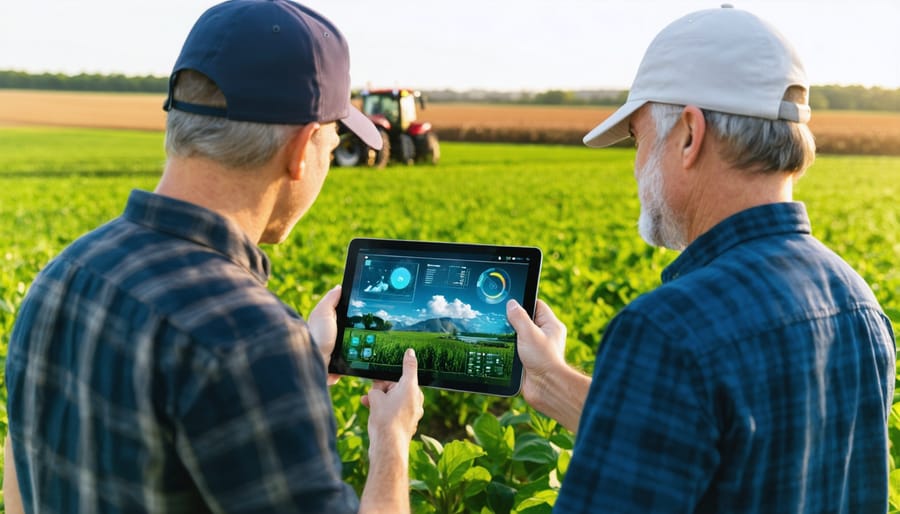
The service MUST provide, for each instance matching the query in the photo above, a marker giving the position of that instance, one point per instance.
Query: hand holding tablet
(447, 301)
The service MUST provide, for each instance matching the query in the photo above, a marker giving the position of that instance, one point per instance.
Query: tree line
(11, 79)
(854, 98)
(821, 97)
(833, 97)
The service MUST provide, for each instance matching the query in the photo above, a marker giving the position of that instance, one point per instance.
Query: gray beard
(657, 224)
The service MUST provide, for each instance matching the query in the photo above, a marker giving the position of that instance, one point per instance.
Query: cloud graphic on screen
(359, 304)
(438, 306)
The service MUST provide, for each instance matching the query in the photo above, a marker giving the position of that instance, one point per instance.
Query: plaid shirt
(150, 370)
(757, 379)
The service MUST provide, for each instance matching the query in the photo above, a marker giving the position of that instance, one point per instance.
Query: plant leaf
(475, 480)
(496, 440)
(456, 460)
(534, 449)
(500, 497)
(539, 503)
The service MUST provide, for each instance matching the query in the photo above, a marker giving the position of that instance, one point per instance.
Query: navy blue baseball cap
(275, 61)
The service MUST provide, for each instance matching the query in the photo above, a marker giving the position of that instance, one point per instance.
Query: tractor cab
(405, 139)
(398, 107)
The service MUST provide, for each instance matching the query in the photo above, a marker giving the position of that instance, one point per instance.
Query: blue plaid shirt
(150, 370)
(757, 379)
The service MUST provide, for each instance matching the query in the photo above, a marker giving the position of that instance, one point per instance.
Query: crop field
(472, 453)
(434, 351)
(842, 132)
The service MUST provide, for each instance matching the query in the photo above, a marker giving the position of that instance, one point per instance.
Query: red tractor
(406, 140)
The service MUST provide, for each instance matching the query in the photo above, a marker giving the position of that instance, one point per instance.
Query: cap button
(727, 6)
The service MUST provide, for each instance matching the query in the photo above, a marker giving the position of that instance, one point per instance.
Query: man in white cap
(759, 376)
(150, 369)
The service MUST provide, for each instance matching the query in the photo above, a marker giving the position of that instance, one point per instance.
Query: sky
(509, 45)
(474, 297)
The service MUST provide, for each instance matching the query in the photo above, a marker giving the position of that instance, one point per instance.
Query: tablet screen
(445, 300)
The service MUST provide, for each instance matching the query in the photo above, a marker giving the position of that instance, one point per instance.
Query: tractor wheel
(429, 150)
(406, 152)
(380, 158)
(350, 151)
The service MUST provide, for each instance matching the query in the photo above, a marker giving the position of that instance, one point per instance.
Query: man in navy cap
(150, 369)
(757, 379)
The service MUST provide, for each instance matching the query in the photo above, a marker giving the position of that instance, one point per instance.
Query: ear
(297, 150)
(692, 137)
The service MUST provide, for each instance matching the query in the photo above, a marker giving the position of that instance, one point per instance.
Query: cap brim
(614, 128)
(363, 127)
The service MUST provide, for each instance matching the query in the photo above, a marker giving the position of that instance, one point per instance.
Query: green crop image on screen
(445, 356)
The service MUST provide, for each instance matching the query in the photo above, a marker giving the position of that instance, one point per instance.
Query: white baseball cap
(724, 60)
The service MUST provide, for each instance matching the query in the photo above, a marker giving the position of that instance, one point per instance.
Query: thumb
(518, 317)
(526, 329)
(410, 367)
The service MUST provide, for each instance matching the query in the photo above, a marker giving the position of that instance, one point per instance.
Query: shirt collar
(198, 225)
(755, 222)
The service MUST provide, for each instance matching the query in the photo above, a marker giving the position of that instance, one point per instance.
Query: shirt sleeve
(255, 427)
(644, 442)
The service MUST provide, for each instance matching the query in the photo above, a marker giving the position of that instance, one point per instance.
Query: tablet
(447, 301)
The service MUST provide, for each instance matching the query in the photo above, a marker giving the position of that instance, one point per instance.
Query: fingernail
(410, 352)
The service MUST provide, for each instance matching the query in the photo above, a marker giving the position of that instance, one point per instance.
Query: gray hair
(233, 144)
(748, 143)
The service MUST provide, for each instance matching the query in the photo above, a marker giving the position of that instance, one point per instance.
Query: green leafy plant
(513, 466)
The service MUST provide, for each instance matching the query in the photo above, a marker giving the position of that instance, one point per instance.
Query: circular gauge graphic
(400, 278)
(493, 285)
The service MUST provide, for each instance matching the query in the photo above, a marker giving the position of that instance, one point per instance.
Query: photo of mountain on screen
(451, 309)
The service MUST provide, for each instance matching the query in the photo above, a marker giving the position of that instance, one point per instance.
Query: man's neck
(239, 195)
(734, 191)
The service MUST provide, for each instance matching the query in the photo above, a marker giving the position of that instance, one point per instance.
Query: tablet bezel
(443, 250)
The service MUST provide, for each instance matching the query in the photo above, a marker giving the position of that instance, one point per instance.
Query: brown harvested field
(549, 117)
(836, 131)
(76, 109)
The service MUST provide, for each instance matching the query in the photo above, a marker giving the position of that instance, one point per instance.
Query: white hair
(233, 144)
(748, 143)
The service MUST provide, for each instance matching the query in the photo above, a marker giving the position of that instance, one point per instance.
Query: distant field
(74, 109)
(844, 132)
